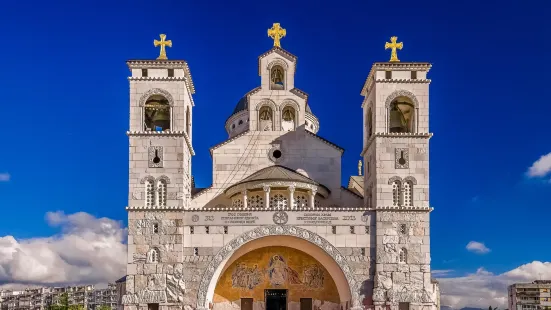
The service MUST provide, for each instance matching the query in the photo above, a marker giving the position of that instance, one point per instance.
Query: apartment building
(530, 296)
(89, 297)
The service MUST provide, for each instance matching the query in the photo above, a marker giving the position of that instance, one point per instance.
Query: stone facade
(277, 183)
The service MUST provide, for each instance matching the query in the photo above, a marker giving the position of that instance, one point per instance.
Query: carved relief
(401, 158)
(175, 285)
(155, 156)
(144, 297)
(156, 282)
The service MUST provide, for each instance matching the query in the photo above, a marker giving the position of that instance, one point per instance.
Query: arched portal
(292, 238)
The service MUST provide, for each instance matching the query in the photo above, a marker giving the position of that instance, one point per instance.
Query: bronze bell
(161, 119)
(396, 121)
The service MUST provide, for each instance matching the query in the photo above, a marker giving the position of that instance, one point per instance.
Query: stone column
(266, 197)
(312, 199)
(245, 198)
(291, 197)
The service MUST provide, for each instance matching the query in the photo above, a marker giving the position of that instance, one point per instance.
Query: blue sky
(65, 103)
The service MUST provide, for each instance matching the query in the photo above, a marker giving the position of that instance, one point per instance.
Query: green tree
(103, 307)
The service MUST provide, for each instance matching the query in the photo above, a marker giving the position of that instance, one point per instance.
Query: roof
(358, 181)
(278, 173)
(123, 279)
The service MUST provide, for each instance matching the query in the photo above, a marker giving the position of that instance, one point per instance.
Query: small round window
(275, 154)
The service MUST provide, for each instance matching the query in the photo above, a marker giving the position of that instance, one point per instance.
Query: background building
(41, 298)
(530, 296)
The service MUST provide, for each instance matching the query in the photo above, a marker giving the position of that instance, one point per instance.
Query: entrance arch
(288, 236)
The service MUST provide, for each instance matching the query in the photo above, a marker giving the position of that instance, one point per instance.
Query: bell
(396, 124)
(161, 120)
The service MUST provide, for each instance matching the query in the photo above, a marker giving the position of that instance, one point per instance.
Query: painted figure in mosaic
(279, 272)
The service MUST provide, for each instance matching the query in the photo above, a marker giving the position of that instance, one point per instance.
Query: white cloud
(441, 273)
(88, 250)
(540, 167)
(477, 247)
(483, 288)
(4, 177)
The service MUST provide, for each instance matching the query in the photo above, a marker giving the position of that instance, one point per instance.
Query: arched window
(288, 120)
(407, 193)
(403, 255)
(369, 123)
(401, 115)
(277, 78)
(188, 121)
(149, 193)
(396, 193)
(265, 119)
(156, 114)
(154, 256)
(161, 193)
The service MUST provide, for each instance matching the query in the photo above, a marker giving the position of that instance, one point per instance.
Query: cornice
(403, 81)
(398, 66)
(168, 64)
(427, 135)
(404, 209)
(343, 209)
(177, 133)
(153, 208)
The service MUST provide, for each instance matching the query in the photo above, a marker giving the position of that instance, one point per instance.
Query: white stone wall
(240, 157)
(407, 278)
(155, 237)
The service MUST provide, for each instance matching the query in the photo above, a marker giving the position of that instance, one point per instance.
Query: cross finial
(393, 46)
(276, 33)
(162, 43)
(360, 164)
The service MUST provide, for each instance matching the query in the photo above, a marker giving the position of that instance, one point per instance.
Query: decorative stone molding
(156, 91)
(289, 102)
(147, 178)
(155, 151)
(166, 133)
(394, 178)
(165, 64)
(401, 93)
(401, 158)
(262, 184)
(278, 62)
(226, 209)
(154, 208)
(267, 102)
(277, 230)
(164, 178)
(426, 135)
(404, 81)
(411, 179)
(384, 66)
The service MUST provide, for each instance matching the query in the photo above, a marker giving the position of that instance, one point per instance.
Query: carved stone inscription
(304, 218)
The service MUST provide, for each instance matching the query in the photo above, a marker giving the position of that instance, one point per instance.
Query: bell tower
(160, 137)
(396, 181)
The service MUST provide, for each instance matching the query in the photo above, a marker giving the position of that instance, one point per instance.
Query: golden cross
(162, 43)
(393, 46)
(276, 33)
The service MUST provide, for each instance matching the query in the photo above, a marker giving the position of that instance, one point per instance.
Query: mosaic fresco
(276, 268)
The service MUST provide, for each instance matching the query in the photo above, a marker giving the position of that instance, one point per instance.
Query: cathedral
(276, 230)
